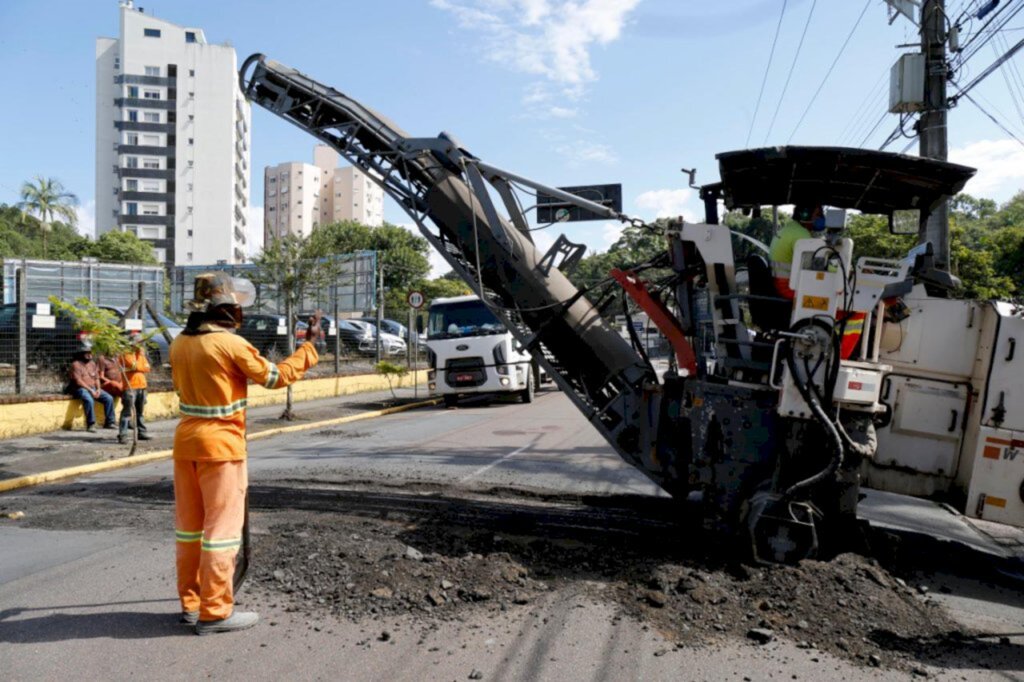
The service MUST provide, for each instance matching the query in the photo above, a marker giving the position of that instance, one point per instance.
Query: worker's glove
(313, 328)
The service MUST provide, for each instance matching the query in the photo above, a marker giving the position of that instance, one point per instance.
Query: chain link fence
(37, 343)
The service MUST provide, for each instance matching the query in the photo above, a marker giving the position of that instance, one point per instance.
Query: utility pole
(932, 124)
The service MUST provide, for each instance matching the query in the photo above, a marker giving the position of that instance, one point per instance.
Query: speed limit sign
(416, 299)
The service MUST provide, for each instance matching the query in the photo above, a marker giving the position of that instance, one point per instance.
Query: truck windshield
(466, 318)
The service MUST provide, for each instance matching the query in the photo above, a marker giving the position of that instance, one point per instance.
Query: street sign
(416, 299)
(555, 210)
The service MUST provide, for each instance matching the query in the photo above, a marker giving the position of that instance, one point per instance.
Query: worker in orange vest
(135, 366)
(211, 367)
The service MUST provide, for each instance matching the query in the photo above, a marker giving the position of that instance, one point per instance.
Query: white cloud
(667, 203)
(610, 233)
(581, 153)
(551, 39)
(1000, 165)
(86, 213)
(254, 231)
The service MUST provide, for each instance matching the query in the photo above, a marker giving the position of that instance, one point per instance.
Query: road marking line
(494, 463)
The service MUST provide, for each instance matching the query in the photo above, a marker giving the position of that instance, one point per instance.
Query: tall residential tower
(172, 141)
(298, 197)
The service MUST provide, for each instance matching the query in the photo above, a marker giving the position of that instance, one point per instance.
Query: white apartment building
(172, 141)
(297, 197)
(347, 193)
(291, 195)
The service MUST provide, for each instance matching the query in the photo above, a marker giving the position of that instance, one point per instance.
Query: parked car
(268, 333)
(389, 326)
(159, 349)
(391, 344)
(45, 347)
(354, 339)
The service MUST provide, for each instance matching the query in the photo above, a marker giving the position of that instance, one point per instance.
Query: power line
(988, 71)
(992, 118)
(862, 118)
(791, 68)
(873, 129)
(767, 68)
(1014, 76)
(830, 68)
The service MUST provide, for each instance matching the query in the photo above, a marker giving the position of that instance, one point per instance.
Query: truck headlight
(500, 359)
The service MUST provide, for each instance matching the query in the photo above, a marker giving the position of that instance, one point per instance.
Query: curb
(125, 462)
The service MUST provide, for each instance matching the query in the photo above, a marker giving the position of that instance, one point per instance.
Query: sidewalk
(59, 449)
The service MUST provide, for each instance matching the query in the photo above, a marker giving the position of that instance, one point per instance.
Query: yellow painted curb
(124, 462)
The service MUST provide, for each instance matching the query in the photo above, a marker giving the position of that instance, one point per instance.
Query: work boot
(238, 620)
(111, 425)
(91, 428)
(143, 436)
(121, 438)
(189, 617)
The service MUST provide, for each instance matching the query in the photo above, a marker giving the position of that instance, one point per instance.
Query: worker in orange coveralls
(211, 367)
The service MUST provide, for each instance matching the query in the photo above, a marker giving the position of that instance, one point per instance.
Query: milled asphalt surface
(101, 604)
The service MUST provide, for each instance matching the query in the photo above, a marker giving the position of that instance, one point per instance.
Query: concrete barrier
(25, 419)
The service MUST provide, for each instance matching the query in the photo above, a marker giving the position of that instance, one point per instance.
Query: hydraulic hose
(830, 428)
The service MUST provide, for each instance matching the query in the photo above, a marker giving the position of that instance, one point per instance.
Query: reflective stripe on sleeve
(221, 545)
(212, 411)
(188, 535)
(272, 375)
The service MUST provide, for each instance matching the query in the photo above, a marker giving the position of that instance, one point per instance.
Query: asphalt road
(89, 605)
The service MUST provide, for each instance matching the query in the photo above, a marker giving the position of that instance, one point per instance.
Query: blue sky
(567, 92)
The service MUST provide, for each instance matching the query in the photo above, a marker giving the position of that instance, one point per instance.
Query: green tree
(46, 199)
(121, 247)
(291, 265)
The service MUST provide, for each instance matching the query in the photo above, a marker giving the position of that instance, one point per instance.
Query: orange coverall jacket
(136, 366)
(211, 372)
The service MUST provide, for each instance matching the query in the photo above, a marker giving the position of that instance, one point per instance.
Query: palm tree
(46, 200)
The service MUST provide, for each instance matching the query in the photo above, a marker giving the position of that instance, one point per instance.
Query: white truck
(472, 352)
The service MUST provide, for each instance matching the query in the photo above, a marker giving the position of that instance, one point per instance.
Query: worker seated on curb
(84, 384)
(211, 367)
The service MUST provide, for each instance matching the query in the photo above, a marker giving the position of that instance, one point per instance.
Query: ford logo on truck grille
(462, 346)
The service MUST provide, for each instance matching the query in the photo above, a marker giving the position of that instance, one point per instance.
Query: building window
(131, 208)
(151, 94)
(150, 209)
(151, 32)
(273, 180)
(191, 117)
(271, 209)
(150, 185)
(131, 162)
(152, 70)
(191, 141)
(149, 162)
(191, 163)
(131, 185)
(149, 232)
(191, 95)
(160, 255)
(117, 62)
(133, 91)
(190, 36)
(115, 191)
(192, 73)
(151, 140)
(133, 115)
(131, 138)
(189, 256)
(151, 117)
(190, 187)
(189, 233)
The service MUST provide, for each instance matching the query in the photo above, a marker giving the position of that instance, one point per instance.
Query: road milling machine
(759, 421)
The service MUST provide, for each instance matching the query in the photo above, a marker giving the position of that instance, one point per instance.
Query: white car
(390, 344)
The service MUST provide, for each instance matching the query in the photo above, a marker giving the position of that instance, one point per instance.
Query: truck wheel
(451, 400)
(526, 395)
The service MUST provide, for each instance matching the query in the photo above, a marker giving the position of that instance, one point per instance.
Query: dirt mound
(359, 568)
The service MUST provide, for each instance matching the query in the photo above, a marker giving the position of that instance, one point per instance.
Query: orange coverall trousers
(209, 509)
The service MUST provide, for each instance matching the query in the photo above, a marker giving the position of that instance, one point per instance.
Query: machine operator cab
(837, 299)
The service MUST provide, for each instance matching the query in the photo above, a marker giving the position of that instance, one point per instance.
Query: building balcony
(125, 219)
(128, 79)
(239, 255)
(239, 234)
(166, 174)
(239, 213)
(143, 150)
(145, 103)
(138, 126)
(165, 197)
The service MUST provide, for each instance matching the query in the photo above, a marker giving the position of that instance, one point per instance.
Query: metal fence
(353, 285)
(109, 284)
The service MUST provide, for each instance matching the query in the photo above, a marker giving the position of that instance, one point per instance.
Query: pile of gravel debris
(358, 569)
